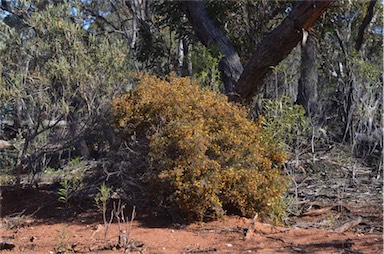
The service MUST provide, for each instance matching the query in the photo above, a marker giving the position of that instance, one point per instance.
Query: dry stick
(133, 215)
(107, 225)
(349, 225)
(313, 144)
(123, 240)
(251, 227)
(98, 228)
(119, 213)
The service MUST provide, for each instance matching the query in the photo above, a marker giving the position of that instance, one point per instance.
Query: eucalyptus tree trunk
(135, 29)
(211, 35)
(140, 19)
(180, 56)
(307, 89)
(184, 67)
(277, 45)
(242, 84)
(188, 64)
(367, 19)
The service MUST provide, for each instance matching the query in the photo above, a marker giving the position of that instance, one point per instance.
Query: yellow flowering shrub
(206, 155)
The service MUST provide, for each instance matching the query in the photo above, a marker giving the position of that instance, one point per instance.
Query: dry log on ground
(349, 225)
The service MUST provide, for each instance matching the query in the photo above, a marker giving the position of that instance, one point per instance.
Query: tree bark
(140, 19)
(242, 84)
(276, 46)
(367, 19)
(307, 89)
(180, 56)
(211, 35)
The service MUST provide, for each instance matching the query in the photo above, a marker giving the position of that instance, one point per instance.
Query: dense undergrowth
(206, 156)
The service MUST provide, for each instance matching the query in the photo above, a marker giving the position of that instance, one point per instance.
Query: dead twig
(133, 215)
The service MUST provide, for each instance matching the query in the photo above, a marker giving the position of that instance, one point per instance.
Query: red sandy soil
(50, 229)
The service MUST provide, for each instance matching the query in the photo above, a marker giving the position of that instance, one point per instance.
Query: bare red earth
(49, 230)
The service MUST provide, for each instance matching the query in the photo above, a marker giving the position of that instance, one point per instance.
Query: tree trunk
(272, 50)
(135, 29)
(188, 68)
(211, 35)
(276, 46)
(307, 90)
(180, 56)
(141, 19)
(184, 67)
(367, 19)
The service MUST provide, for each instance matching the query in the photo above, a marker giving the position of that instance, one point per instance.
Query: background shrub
(206, 156)
(286, 123)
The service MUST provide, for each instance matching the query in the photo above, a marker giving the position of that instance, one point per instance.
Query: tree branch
(277, 45)
(367, 19)
(210, 34)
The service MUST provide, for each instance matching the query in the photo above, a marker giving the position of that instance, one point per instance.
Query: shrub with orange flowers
(206, 155)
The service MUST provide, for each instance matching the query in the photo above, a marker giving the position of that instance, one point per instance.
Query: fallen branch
(317, 212)
(276, 238)
(349, 225)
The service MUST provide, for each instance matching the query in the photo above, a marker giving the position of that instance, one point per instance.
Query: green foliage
(206, 155)
(6, 179)
(353, 94)
(52, 69)
(102, 197)
(206, 69)
(286, 123)
(73, 181)
(75, 162)
(65, 191)
(52, 174)
(101, 201)
(68, 188)
(63, 244)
